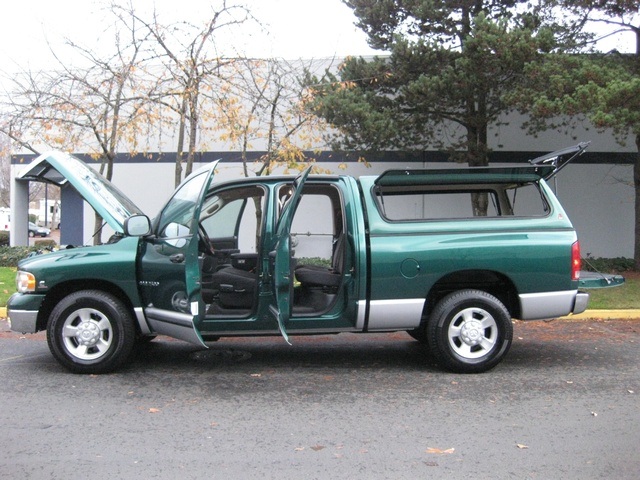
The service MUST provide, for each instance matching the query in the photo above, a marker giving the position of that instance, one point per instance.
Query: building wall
(597, 190)
(507, 134)
(599, 200)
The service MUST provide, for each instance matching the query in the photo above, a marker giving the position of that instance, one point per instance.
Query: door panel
(324, 236)
(170, 282)
(282, 271)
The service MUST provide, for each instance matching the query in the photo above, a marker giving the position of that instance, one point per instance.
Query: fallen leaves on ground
(439, 451)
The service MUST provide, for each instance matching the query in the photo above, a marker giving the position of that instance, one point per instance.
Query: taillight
(576, 262)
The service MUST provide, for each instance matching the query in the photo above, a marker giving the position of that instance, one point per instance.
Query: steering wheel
(204, 244)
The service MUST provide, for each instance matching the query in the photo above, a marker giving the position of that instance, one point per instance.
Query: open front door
(281, 257)
(170, 282)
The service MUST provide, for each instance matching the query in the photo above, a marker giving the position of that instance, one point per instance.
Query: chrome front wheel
(87, 334)
(91, 331)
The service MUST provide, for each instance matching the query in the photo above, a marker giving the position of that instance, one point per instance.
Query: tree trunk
(54, 216)
(636, 184)
(636, 171)
(477, 157)
(98, 220)
(97, 229)
(180, 146)
(193, 131)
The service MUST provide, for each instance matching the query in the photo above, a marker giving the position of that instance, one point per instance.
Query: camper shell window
(419, 195)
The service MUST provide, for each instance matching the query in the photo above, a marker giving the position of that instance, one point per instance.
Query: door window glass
(177, 215)
(235, 214)
(312, 229)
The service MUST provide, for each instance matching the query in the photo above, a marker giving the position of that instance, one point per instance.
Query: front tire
(91, 331)
(469, 331)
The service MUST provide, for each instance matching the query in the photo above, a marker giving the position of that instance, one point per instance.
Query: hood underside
(60, 169)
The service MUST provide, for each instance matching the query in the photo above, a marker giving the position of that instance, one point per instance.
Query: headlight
(25, 282)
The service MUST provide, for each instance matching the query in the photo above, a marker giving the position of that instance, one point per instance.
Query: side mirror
(137, 226)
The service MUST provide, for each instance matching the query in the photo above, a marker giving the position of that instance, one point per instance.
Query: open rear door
(281, 257)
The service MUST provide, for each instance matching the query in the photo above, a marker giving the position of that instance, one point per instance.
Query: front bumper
(22, 311)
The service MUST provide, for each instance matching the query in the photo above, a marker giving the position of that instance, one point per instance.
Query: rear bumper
(538, 306)
(580, 305)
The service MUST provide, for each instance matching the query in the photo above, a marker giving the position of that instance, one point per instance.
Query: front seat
(236, 284)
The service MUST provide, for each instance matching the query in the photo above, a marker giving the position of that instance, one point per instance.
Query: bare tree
(5, 170)
(11, 133)
(192, 58)
(264, 104)
(97, 107)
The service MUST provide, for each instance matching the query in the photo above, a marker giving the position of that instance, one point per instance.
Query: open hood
(61, 168)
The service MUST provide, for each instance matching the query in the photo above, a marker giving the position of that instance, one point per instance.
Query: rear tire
(469, 331)
(91, 331)
(419, 334)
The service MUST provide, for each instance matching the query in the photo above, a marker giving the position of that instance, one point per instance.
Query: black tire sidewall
(163, 297)
(444, 313)
(121, 325)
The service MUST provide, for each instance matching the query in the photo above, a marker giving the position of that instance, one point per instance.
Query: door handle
(177, 258)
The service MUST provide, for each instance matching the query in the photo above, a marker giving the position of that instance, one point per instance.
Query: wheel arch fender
(63, 289)
(490, 281)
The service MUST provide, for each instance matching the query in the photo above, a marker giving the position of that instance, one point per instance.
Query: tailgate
(599, 280)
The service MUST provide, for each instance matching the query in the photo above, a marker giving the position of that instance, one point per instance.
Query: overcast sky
(297, 28)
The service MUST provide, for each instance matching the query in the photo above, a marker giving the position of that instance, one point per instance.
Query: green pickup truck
(448, 255)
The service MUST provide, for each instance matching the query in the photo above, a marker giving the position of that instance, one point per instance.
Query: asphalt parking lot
(563, 404)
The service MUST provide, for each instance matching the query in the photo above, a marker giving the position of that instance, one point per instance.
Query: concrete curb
(628, 314)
